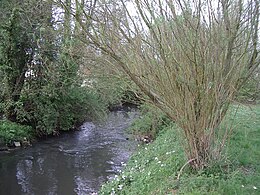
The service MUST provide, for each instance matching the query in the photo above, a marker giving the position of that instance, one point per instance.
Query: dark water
(75, 163)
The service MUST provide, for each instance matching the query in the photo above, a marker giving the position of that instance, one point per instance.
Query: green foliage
(10, 131)
(155, 167)
(111, 88)
(250, 92)
(41, 85)
(56, 101)
(151, 122)
(14, 57)
(62, 110)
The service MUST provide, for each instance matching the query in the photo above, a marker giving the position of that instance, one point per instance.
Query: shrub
(250, 90)
(150, 123)
(10, 131)
(62, 110)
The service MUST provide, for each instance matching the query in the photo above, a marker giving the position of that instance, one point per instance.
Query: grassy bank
(154, 168)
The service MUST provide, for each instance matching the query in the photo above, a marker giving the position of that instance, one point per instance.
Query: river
(73, 163)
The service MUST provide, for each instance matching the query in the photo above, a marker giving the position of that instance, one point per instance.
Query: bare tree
(188, 57)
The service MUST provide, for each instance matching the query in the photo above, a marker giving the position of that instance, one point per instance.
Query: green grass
(154, 167)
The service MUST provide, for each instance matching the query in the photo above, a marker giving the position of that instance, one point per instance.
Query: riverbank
(154, 167)
(14, 135)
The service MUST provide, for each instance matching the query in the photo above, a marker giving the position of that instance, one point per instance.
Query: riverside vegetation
(46, 84)
(190, 60)
(155, 167)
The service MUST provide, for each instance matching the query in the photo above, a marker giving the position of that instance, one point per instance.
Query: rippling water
(74, 163)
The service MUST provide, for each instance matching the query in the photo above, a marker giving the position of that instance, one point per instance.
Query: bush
(10, 131)
(150, 123)
(250, 90)
(112, 89)
(61, 110)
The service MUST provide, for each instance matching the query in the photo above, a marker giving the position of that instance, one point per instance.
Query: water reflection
(23, 175)
(71, 164)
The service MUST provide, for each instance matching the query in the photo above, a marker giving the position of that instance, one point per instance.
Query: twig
(189, 161)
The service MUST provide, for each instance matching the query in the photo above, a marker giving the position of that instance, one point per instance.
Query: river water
(74, 163)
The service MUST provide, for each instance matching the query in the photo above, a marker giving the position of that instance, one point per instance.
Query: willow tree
(188, 57)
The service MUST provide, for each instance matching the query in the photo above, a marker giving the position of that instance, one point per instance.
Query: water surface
(74, 163)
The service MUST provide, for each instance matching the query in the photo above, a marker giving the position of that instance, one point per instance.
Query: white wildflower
(120, 187)
(113, 192)
(242, 186)
(255, 188)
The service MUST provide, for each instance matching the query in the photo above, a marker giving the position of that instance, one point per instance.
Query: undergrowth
(10, 131)
(150, 123)
(155, 167)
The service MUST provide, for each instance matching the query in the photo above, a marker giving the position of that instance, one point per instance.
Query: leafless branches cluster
(188, 57)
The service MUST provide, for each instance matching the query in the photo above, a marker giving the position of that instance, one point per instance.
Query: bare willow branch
(188, 57)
